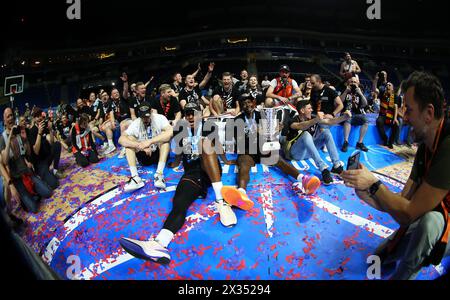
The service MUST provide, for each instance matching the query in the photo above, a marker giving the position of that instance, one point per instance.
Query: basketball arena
(330, 234)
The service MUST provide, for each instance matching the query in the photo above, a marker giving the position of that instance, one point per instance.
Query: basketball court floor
(327, 236)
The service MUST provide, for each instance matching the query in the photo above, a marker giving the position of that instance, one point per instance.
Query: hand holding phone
(353, 161)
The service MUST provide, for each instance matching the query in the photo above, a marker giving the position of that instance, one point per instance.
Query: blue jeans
(306, 147)
(30, 202)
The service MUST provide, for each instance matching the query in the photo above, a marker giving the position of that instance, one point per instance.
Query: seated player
(201, 171)
(147, 140)
(249, 154)
(83, 143)
(305, 137)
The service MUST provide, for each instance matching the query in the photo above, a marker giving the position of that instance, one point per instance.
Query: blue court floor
(328, 236)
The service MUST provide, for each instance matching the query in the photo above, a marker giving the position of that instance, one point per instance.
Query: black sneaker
(345, 147)
(337, 170)
(362, 147)
(326, 177)
(390, 146)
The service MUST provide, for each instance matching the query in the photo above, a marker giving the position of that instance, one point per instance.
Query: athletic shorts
(146, 160)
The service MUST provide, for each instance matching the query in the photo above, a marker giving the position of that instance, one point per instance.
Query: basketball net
(13, 90)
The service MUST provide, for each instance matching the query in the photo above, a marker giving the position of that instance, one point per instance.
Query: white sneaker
(122, 153)
(159, 181)
(109, 150)
(104, 146)
(134, 184)
(148, 250)
(227, 216)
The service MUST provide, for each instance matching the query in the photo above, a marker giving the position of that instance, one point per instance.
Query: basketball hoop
(13, 89)
(13, 86)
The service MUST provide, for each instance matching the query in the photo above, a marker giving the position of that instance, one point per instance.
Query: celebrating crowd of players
(181, 114)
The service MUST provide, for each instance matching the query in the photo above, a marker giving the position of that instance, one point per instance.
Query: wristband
(373, 189)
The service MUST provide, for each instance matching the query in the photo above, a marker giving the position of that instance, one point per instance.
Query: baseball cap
(145, 110)
(285, 67)
(191, 107)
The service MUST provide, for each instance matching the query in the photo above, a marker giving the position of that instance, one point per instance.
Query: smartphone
(353, 161)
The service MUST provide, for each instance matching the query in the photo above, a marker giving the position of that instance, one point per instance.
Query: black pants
(84, 161)
(192, 186)
(42, 167)
(382, 131)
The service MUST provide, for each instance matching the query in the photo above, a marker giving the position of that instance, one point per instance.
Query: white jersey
(137, 128)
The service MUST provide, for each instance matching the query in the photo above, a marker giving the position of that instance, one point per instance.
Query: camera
(353, 88)
(16, 131)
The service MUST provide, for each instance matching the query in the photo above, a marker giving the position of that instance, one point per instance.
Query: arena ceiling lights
(237, 40)
(170, 48)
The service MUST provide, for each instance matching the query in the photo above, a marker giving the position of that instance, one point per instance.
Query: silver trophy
(270, 129)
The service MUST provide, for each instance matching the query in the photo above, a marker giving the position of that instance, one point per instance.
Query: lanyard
(194, 140)
(251, 124)
(165, 108)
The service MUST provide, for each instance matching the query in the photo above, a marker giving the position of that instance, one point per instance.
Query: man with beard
(282, 88)
(147, 141)
(201, 171)
(82, 108)
(325, 99)
(192, 93)
(349, 68)
(422, 208)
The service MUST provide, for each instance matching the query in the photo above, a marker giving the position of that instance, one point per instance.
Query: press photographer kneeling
(422, 208)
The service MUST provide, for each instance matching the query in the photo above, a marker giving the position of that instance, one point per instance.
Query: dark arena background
(49, 61)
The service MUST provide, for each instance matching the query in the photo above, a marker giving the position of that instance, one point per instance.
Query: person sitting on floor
(305, 137)
(83, 143)
(201, 171)
(147, 140)
(16, 155)
(46, 151)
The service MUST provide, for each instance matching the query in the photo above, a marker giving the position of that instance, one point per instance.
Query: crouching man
(422, 208)
(147, 141)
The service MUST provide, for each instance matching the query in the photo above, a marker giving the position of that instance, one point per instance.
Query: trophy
(270, 129)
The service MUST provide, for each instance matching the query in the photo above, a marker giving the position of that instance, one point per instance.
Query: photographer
(16, 153)
(354, 101)
(45, 150)
(422, 208)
